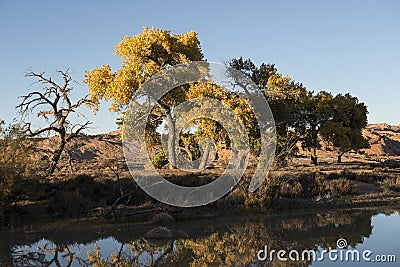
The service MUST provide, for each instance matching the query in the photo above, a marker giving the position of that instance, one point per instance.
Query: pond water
(240, 240)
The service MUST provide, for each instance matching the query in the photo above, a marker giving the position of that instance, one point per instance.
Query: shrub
(237, 197)
(297, 185)
(84, 184)
(261, 198)
(15, 163)
(340, 187)
(68, 203)
(294, 189)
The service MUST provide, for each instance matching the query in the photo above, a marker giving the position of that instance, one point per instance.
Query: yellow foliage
(142, 56)
(283, 88)
(209, 128)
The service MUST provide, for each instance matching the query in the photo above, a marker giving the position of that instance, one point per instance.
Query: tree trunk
(314, 137)
(241, 158)
(188, 152)
(314, 159)
(171, 141)
(57, 156)
(339, 159)
(204, 159)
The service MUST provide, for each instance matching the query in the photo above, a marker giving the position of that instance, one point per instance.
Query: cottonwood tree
(208, 128)
(53, 104)
(337, 119)
(315, 111)
(344, 131)
(142, 56)
(302, 115)
(284, 97)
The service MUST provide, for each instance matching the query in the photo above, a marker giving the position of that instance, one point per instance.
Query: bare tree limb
(49, 96)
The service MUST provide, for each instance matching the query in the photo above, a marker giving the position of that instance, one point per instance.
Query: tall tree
(308, 118)
(284, 96)
(53, 104)
(142, 56)
(301, 115)
(259, 75)
(344, 131)
(339, 120)
(207, 128)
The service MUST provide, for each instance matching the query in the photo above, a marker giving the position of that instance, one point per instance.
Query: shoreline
(143, 215)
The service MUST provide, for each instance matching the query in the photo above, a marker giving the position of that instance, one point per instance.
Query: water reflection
(230, 242)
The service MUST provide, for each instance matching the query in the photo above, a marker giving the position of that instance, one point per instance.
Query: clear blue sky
(338, 46)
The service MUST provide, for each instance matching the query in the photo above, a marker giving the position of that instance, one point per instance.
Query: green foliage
(159, 160)
(259, 75)
(190, 143)
(285, 98)
(349, 117)
(15, 162)
(300, 115)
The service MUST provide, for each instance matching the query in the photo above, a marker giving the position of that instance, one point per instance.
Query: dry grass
(340, 187)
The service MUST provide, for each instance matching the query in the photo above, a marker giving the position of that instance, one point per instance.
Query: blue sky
(338, 46)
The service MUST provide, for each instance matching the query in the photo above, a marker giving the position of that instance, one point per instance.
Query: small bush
(258, 200)
(68, 203)
(237, 197)
(261, 198)
(294, 189)
(306, 185)
(340, 187)
(84, 184)
(111, 191)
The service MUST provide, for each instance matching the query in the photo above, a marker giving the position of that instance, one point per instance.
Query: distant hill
(104, 151)
(383, 138)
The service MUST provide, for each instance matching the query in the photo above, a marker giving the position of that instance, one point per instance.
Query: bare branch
(58, 111)
(38, 132)
(80, 129)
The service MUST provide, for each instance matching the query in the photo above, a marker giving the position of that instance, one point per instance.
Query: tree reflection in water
(236, 245)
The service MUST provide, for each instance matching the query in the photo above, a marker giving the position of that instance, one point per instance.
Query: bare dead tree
(53, 104)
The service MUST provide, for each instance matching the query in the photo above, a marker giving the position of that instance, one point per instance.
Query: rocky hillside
(103, 153)
(383, 138)
(88, 153)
